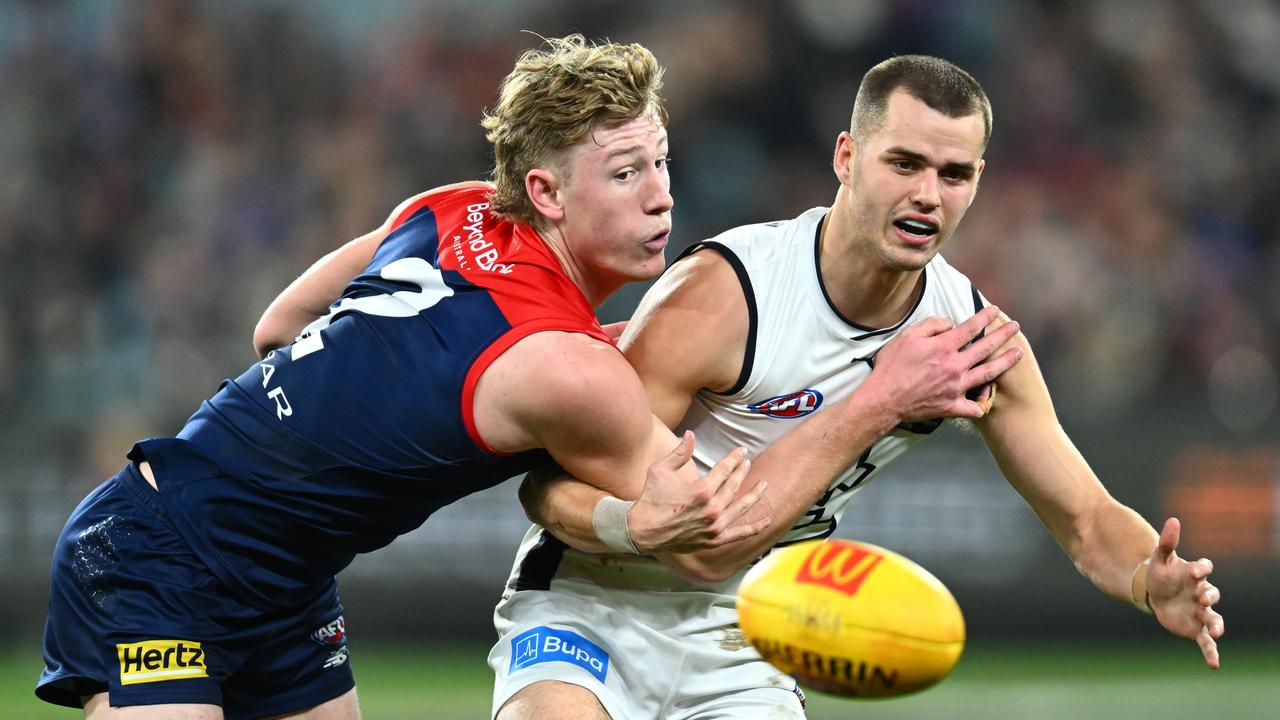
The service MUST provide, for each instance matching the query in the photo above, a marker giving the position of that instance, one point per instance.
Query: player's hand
(1181, 596)
(672, 516)
(925, 372)
(614, 330)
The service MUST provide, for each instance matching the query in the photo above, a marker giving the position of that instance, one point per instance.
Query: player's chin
(649, 266)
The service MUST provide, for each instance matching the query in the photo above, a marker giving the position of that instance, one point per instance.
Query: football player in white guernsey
(769, 323)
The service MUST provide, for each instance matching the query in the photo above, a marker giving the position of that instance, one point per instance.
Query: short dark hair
(938, 83)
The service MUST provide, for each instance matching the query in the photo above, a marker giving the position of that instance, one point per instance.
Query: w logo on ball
(839, 566)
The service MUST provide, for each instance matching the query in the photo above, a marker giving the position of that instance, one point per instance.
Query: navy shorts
(134, 612)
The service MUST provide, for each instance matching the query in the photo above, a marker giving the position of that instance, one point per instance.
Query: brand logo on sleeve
(543, 644)
(792, 405)
(159, 660)
(838, 567)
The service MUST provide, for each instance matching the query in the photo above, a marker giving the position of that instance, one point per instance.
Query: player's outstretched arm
(1108, 542)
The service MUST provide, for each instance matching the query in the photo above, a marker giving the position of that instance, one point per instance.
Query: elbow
(267, 335)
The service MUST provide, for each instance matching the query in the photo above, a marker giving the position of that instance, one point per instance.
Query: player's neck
(594, 286)
(861, 287)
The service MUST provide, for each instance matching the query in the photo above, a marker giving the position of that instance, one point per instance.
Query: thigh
(553, 700)
(559, 638)
(299, 661)
(343, 707)
(97, 707)
(126, 607)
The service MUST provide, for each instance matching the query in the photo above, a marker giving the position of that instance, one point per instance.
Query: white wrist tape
(610, 523)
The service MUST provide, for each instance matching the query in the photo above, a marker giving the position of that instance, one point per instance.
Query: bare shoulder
(703, 282)
(688, 333)
(553, 388)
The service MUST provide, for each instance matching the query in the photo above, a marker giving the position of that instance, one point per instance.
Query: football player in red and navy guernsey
(462, 349)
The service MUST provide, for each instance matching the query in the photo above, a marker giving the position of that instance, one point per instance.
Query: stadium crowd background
(169, 166)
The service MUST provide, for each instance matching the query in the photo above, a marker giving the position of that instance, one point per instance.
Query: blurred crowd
(170, 165)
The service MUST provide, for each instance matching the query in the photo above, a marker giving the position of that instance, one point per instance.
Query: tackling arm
(586, 407)
(1108, 541)
(309, 296)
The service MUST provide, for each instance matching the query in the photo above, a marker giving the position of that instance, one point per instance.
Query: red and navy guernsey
(363, 426)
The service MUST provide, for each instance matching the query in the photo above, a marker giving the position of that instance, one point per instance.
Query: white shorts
(646, 642)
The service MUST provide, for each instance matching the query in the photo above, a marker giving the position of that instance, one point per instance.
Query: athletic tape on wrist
(1138, 593)
(610, 523)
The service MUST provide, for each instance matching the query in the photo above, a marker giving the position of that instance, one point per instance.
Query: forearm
(564, 507)
(799, 467)
(306, 299)
(1114, 541)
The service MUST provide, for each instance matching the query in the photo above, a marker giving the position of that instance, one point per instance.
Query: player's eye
(624, 174)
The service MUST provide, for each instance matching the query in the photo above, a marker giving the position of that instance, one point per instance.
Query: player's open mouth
(659, 241)
(917, 228)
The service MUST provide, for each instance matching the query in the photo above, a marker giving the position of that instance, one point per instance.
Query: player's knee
(553, 700)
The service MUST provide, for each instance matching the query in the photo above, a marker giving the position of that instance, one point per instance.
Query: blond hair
(552, 99)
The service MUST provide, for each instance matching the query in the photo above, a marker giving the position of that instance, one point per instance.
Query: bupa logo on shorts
(838, 567)
(335, 633)
(544, 644)
(792, 405)
(159, 660)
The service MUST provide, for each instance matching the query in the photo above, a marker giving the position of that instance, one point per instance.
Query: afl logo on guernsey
(793, 405)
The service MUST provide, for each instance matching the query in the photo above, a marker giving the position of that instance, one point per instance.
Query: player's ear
(544, 189)
(842, 162)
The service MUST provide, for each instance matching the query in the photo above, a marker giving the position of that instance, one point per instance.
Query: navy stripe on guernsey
(749, 357)
(977, 298)
(540, 563)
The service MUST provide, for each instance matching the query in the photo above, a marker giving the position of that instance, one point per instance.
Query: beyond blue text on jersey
(363, 427)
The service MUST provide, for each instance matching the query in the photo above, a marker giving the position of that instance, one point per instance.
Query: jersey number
(404, 303)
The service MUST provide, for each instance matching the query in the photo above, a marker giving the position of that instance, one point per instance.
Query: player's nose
(660, 199)
(927, 192)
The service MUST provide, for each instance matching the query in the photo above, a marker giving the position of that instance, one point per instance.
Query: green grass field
(1046, 682)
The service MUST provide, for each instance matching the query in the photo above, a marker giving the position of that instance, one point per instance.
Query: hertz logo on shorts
(844, 569)
(157, 660)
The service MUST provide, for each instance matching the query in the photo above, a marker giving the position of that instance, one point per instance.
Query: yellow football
(851, 618)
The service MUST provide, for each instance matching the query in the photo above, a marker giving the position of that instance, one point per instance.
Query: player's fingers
(989, 370)
(1210, 596)
(679, 454)
(1168, 540)
(740, 506)
(1201, 568)
(725, 471)
(735, 533)
(983, 347)
(1208, 647)
(930, 326)
(732, 483)
(1211, 621)
(614, 330)
(965, 332)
